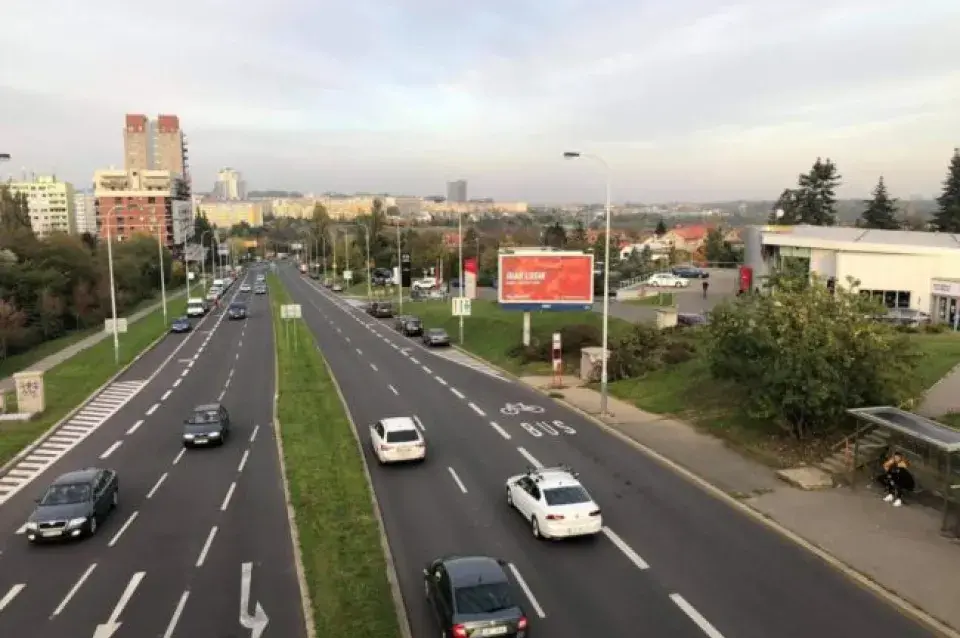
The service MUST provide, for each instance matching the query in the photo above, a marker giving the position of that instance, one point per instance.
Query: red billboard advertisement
(545, 279)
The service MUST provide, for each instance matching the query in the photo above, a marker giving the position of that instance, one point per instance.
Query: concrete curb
(903, 605)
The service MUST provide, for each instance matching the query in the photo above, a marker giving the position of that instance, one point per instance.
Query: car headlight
(76, 522)
(31, 525)
(188, 436)
(214, 435)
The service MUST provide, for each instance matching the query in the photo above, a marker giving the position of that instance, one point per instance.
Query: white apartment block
(85, 213)
(51, 204)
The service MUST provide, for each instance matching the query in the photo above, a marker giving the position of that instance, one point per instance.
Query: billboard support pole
(460, 264)
(526, 329)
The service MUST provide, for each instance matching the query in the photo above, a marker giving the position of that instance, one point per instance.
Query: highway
(200, 537)
(672, 561)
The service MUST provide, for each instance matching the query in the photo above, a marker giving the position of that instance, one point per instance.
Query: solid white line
(374, 368)
(179, 456)
(626, 549)
(477, 409)
(153, 408)
(10, 595)
(253, 434)
(695, 616)
(110, 450)
(463, 488)
(460, 395)
(227, 384)
(177, 382)
(427, 370)
(232, 370)
(440, 380)
(500, 430)
(166, 395)
(394, 390)
(533, 461)
(226, 499)
(156, 486)
(243, 460)
(73, 590)
(526, 590)
(220, 398)
(129, 521)
(127, 595)
(176, 615)
(206, 547)
(419, 423)
(414, 360)
(359, 352)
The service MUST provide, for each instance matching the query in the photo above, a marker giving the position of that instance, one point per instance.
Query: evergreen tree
(789, 204)
(817, 196)
(881, 211)
(661, 229)
(947, 217)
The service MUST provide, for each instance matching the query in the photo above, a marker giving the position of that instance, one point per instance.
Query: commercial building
(457, 191)
(50, 202)
(901, 269)
(225, 214)
(156, 145)
(229, 185)
(85, 213)
(153, 202)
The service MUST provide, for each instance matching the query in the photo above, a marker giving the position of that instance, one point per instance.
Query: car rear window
(484, 598)
(570, 495)
(402, 436)
(205, 416)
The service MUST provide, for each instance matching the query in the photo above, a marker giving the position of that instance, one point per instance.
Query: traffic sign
(290, 311)
(461, 306)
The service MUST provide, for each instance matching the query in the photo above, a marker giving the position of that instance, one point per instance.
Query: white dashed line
(419, 423)
(526, 590)
(153, 408)
(135, 427)
(394, 390)
(73, 591)
(226, 499)
(253, 434)
(206, 547)
(176, 615)
(359, 352)
(220, 397)
(415, 360)
(458, 394)
(166, 395)
(243, 460)
(227, 384)
(185, 372)
(427, 370)
(179, 456)
(533, 460)
(375, 369)
(626, 549)
(156, 486)
(500, 430)
(440, 380)
(456, 479)
(189, 365)
(110, 450)
(177, 382)
(10, 595)
(123, 528)
(695, 616)
(348, 339)
(236, 357)
(476, 409)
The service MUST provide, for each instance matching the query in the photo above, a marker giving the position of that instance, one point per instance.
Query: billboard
(470, 278)
(538, 279)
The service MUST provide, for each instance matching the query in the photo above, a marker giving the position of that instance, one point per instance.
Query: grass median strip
(339, 536)
(70, 383)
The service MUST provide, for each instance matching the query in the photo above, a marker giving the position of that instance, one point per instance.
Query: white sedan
(555, 503)
(245, 288)
(398, 439)
(667, 280)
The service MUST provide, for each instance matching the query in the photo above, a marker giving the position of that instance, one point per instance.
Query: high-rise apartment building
(229, 185)
(151, 202)
(457, 191)
(156, 145)
(50, 203)
(85, 213)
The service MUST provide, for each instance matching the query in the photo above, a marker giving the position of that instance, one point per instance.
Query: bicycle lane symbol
(553, 427)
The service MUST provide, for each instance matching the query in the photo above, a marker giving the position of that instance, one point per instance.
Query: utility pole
(399, 271)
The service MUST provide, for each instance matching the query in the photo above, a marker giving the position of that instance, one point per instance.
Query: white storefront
(903, 269)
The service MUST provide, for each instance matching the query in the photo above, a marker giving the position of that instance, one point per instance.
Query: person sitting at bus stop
(896, 478)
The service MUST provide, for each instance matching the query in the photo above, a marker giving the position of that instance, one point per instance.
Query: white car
(554, 502)
(397, 439)
(245, 288)
(667, 280)
(428, 283)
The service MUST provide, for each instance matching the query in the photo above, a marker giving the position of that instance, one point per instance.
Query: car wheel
(509, 498)
(116, 500)
(92, 528)
(679, 284)
(535, 527)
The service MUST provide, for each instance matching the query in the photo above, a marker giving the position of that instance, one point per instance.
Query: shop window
(889, 298)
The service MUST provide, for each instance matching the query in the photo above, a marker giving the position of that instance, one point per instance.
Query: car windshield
(237, 306)
(204, 416)
(413, 322)
(484, 598)
(566, 495)
(434, 332)
(181, 320)
(66, 494)
(402, 436)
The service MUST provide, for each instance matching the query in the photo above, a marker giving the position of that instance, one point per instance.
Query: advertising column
(470, 273)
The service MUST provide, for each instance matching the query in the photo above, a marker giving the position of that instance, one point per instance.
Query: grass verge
(659, 299)
(339, 535)
(70, 383)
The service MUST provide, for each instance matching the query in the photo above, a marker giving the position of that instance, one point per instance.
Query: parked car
(907, 317)
(667, 280)
(436, 337)
(690, 272)
(337, 288)
(692, 319)
(409, 326)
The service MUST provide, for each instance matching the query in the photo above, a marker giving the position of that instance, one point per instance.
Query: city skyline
(695, 101)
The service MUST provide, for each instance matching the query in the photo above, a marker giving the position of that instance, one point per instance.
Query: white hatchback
(555, 503)
(667, 280)
(398, 439)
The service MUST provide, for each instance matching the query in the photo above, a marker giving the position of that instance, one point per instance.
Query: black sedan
(181, 324)
(237, 310)
(74, 505)
(436, 337)
(690, 272)
(472, 596)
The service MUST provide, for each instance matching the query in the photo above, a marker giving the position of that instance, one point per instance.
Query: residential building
(475, 208)
(225, 214)
(155, 202)
(85, 213)
(408, 206)
(687, 238)
(457, 191)
(156, 145)
(229, 185)
(50, 203)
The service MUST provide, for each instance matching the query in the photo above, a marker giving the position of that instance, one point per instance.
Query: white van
(196, 307)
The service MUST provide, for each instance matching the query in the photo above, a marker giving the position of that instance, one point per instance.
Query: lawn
(659, 299)
(70, 383)
(339, 535)
(941, 354)
(378, 292)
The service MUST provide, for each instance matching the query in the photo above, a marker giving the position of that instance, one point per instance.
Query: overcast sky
(685, 99)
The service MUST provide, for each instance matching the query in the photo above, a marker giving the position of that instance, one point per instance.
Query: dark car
(410, 327)
(181, 324)
(436, 337)
(690, 272)
(382, 310)
(472, 596)
(692, 319)
(208, 425)
(74, 505)
(237, 310)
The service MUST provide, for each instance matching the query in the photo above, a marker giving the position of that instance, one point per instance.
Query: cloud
(375, 95)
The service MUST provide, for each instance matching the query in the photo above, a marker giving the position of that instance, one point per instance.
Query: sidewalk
(7, 385)
(899, 549)
(943, 397)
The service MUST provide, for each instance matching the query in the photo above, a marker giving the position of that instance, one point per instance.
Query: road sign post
(291, 312)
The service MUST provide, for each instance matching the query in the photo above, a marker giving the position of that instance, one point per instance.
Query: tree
(50, 314)
(578, 236)
(806, 354)
(16, 231)
(717, 250)
(947, 217)
(555, 236)
(818, 194)
(83, 303)
(881, 211)
(786, 210)
(393, 211)
(12, 322)
(661, 229)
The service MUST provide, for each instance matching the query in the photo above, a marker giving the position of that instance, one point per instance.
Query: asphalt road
(170, 560)
(673, 561)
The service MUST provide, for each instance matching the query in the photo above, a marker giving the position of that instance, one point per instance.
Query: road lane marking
(419, 423)
(500, 430)
(156, 486)
(185, 372)
(374, 368)
(153, 408)
(414, 360)
(166, 395)
(126, 596)
(227, 384)
(695, 616)
(73, 590)
(236, 357)
(110, 450)
(179, 456)
(526, 590)
(456, 479)
(253, 434)
(533, 460)
(232, 370)
(427, 370)
(359, 352)
(243, 460)
(176, 615)
(477, 409)
(123, 528)
(10, 595)
(22, 529)
(458, 394)
(220, 397)
(206, 546)
(177, 383)
(440, 380)
(393, 389)
(226, 499)
(626, 549)
(348, 339)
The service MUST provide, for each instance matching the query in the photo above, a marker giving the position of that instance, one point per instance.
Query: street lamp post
(323, 245)
(399, 281)
(334, 255)
(366, 235)
(113, 289)
(606, 277)
(203, 256)
(460, 268)
(163, 284)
